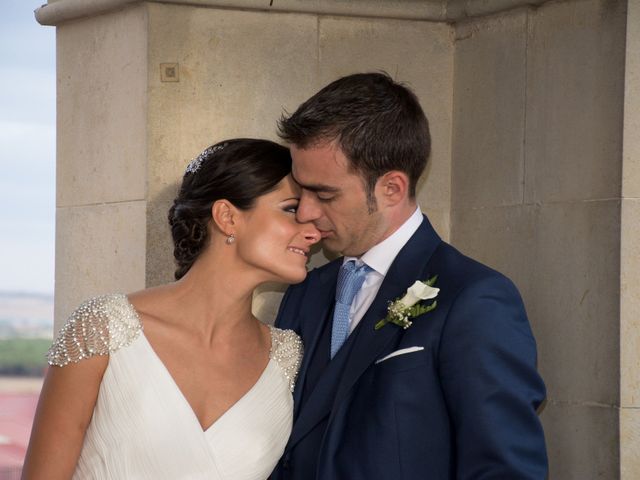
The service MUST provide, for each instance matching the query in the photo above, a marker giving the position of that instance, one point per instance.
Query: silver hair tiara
(196, 163)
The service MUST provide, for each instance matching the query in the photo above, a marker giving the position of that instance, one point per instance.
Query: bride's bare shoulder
(153, 301)
(151, 295)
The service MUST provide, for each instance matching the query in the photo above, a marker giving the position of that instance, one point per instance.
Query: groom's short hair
(377, 122)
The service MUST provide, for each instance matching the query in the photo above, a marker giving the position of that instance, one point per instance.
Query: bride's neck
(218, 291)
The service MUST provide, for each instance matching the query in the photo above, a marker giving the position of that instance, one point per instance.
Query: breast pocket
(401, 361)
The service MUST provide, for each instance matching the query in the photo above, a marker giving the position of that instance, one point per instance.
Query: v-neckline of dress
(186, 403)
(180, 393)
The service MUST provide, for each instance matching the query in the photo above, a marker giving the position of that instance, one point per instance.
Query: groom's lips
(324, 233)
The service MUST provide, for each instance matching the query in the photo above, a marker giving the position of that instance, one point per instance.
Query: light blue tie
(350, 279)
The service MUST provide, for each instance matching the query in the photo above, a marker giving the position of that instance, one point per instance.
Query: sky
(27, 149)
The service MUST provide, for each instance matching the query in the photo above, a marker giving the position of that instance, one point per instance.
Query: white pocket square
(402, 351)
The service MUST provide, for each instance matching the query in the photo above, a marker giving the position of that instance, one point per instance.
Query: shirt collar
(381, 256)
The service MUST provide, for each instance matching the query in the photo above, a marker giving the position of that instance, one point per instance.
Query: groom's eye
(325, 197)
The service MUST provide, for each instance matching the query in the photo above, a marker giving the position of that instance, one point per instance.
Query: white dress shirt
(379, 258)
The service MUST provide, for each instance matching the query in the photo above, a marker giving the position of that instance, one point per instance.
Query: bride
(181, 381)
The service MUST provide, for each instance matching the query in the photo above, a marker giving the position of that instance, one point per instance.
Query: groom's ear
(393, 187)
(224, 215)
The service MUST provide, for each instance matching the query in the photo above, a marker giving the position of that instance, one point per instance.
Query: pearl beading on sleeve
(286, 350)
(100, 326)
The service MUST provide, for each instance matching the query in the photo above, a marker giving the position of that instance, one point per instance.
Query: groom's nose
(309, 208)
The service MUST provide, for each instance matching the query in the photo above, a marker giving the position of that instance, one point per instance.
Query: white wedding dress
(143, 427)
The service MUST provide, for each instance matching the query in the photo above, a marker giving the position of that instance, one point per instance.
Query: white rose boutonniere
(402, 310)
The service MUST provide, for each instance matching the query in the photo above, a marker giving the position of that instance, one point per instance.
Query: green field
(23, 356)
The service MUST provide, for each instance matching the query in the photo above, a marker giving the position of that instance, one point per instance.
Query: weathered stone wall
(132, 131)
(536, 179)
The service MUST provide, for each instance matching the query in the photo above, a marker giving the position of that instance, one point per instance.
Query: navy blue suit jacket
(463, 407)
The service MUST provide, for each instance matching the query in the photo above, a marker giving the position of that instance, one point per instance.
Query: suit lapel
(349, 364)
(316, 306)
(408, 266)
(318, 405)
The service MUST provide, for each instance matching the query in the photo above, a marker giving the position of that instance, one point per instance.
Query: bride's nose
(310, 233)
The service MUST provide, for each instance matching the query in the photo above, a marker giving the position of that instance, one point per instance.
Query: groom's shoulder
(446, 261)
(463, 271)
(454, 260)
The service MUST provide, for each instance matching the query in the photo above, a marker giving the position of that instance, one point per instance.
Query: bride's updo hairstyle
(240, 171)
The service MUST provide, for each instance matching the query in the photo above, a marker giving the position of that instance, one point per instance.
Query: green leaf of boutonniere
(402, 310)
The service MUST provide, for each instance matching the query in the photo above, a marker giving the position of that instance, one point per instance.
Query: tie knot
(350, 280)
(350, 268)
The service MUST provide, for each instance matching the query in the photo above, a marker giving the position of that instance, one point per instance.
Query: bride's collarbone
(226, 348)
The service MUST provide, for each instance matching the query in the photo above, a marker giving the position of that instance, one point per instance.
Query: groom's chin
(329, 251)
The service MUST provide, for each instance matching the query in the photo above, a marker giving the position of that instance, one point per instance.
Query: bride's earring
(230, 239)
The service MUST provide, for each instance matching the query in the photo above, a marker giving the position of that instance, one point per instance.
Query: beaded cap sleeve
(286, 350)
(100, 326)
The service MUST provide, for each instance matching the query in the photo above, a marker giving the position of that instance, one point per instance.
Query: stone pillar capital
(58, 11)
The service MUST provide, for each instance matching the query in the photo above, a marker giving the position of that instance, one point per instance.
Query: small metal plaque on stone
(169, 72)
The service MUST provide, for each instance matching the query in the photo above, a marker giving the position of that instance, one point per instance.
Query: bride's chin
(293, 277)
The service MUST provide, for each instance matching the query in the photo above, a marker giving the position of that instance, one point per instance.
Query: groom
(454, 395)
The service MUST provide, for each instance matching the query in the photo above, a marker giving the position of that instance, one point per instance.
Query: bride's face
(272, 240)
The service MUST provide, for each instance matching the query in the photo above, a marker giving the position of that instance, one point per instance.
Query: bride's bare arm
(64, 411)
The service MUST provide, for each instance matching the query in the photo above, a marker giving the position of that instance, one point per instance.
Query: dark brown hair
(238, 170)
(378, 124)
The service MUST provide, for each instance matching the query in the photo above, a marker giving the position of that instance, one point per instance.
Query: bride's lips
(298, 250)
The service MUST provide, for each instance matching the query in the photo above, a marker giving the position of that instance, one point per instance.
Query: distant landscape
(26, 330)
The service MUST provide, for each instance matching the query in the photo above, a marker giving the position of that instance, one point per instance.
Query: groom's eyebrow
(320, 188)
(316, 187)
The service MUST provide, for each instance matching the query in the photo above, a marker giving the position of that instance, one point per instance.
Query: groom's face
(335, 200)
